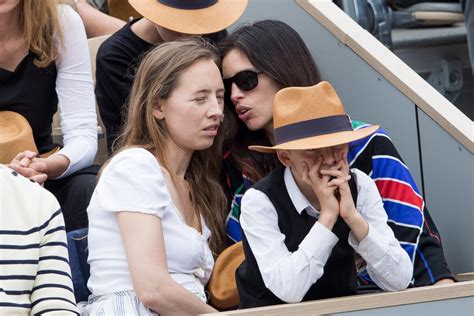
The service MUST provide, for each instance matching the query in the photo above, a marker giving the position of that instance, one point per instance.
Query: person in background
(35, 277)
(45, 66)
(157, 214)
(96, 22)
(118, 56)
(303, 223)
(259, 60)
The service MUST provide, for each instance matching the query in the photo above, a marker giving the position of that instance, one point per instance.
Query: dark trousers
(74, 193)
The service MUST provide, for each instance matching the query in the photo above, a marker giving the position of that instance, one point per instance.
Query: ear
(284, 157)
(158, 112)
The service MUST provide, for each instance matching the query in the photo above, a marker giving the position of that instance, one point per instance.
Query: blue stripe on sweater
(384, 167)
(403, 214)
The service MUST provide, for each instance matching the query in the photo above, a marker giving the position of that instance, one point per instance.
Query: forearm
(387, 263)
(358, 226)
(172, 299)
(97, 23)
(56, 165)
(289, 276)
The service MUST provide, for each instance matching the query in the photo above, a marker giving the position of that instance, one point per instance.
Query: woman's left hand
(26, 164)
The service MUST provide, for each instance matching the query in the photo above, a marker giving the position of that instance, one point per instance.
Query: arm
(378, 157)
(97, 23)
(74, 87)
(288, 275)
(387, 263)
(52, 289)
(147, 263)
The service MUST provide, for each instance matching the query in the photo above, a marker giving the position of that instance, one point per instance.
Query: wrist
(327, 220)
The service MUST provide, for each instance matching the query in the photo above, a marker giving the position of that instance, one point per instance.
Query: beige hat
(191, 16)
(222, 285)
(311, 118)
(15, 136)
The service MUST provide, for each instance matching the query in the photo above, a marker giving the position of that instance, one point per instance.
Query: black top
(31, 92)
(339, 277)
(117, 62)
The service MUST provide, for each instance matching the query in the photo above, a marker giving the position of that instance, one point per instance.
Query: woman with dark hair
(259, 60)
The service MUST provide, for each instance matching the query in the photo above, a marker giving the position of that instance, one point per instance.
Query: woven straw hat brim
(201, 21)
(15, 136)
(320, 141)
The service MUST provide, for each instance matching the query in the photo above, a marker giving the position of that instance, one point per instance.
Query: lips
(243, 112)
(212, 130)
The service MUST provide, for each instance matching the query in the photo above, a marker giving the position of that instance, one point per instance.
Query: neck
(177, 159)
(147, 31)
(269, 131)
(10, 25)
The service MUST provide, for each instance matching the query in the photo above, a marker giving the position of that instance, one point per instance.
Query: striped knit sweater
(35, 277)
(407, 214)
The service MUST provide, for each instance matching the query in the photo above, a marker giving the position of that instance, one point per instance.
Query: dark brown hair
(278, 50)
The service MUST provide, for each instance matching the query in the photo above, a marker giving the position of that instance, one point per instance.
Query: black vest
(339, 278)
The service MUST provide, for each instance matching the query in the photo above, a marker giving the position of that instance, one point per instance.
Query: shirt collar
(297, 197)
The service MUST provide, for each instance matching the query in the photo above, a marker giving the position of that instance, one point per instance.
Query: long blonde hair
(156, 78)
(41, 28)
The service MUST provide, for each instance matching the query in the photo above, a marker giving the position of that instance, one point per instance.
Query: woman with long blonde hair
(159, 198)
(45, 66)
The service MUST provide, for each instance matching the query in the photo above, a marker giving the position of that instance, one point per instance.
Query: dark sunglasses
(246, 80)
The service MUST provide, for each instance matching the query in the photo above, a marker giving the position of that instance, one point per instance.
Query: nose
(236, 93)
(216, 109)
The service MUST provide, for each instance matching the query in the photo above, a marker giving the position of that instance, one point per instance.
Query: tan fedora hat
(191, 16)
(15, 136)
(222, 285)
(310, 118)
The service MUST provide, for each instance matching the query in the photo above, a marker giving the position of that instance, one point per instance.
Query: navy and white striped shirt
(35, 276)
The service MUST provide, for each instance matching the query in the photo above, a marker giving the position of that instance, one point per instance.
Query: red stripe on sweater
(402, 192)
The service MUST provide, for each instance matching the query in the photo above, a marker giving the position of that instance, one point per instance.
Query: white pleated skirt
(121, 303)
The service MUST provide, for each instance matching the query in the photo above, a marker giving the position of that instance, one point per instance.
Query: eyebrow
(208, 91)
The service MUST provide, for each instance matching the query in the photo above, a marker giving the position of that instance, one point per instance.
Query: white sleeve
(288, 275)
(388, 264)
(75, 89)
(134, 182)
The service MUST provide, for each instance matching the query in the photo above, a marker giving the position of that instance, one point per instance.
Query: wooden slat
(367, 301)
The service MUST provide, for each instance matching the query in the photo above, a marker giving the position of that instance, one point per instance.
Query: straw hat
(191, 16)
(222, 285)
(15, 136)
(311, 118)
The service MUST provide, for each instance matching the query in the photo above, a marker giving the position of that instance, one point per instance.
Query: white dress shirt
(75, 89)
(289, 275)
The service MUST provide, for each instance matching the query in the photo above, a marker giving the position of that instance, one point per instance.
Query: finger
(40, 178)
(26, 172)
(305, 169)
(314, 170)
(332, 173)
(339, 182)
(25, 162)
(38, 165)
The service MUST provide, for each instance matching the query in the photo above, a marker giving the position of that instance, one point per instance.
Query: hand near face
(329, 205)
(26, 164)
(341, 179)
